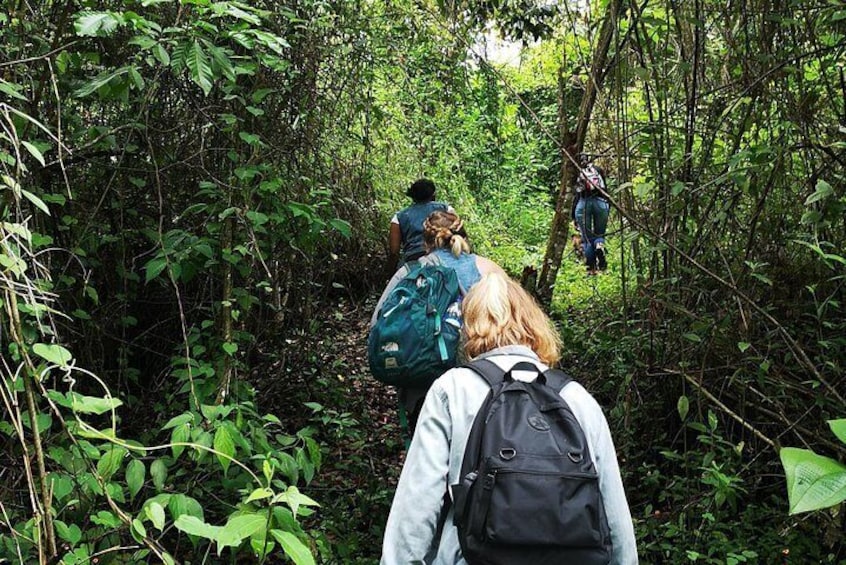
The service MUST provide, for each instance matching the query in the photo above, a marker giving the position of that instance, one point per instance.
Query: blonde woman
(503, 324)
(445, 242)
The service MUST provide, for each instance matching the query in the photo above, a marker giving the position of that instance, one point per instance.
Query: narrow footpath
(358, 430)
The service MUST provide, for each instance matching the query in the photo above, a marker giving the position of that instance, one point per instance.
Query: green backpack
(415, 337)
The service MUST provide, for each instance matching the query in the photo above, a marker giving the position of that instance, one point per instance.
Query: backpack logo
(525, 497)
(539, 423)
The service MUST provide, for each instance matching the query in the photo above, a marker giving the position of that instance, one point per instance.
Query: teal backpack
(415, 337)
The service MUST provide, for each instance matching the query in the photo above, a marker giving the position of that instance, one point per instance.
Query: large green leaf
(110, 462)
(84, 404)
(99, 81)
(239, 528)
(225, 446)
(61, 485)
(839, 428)
(259, 494)
(35, 152)
(196, 527)
(137, 529)
(341, 226)
(36, 201)
(823, 190)
(71, 534)
(179, 436)
(181, 504)
(222, 63)
(294, 548)
(235, 10)
(154, 267)
(294, 499)
(97, 24)
(12, 89)
(135, 473)
(683, 406)
(179, 420)
(156, 514)
(163, 499)
(158, 471)
(813, 481)
(52, 353)
(199, 67)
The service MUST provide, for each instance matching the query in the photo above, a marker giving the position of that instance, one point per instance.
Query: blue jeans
(592, 218)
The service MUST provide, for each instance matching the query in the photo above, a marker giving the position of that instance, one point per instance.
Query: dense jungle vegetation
(195, 205)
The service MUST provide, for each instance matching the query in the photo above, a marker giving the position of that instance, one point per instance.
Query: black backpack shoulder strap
(488, 370)
(494, 376)
(557, 379)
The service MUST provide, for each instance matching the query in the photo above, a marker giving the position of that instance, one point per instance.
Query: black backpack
(528, 490)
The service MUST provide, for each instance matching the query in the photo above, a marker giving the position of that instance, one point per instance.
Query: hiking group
(509, 461)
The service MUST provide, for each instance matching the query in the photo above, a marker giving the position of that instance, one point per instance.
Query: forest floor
(355, 419)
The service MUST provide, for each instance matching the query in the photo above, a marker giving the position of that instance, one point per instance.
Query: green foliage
(814, 481)
(184, 184)
(157, 100)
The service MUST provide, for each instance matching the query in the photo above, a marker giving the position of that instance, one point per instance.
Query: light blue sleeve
(398, 276)
(595, 426)
(418, 501)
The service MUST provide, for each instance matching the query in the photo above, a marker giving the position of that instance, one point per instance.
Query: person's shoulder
(487, 266)
(430, 258)
(456, 378)
(579, 399)
(402, 213)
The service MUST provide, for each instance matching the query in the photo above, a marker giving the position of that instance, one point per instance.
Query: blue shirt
(464, 266)
(410, 221)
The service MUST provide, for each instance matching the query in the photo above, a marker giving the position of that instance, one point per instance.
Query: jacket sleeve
(595, 426)
(418, 502)
(401, 272)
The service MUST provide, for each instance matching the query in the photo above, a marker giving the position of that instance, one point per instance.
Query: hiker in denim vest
(445, 241)
(405, 240)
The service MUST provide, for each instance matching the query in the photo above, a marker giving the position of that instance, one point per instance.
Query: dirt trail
(359, 433)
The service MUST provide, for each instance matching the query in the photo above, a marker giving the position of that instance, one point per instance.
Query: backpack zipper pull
(397, 305)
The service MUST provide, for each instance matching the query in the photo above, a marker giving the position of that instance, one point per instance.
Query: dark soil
(356, 424)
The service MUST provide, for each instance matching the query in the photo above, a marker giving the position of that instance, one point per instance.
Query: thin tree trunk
(42, 506)
(226, 313)
(560, 221)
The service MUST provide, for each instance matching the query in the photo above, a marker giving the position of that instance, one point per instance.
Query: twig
(701, 388)
(39, 57)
